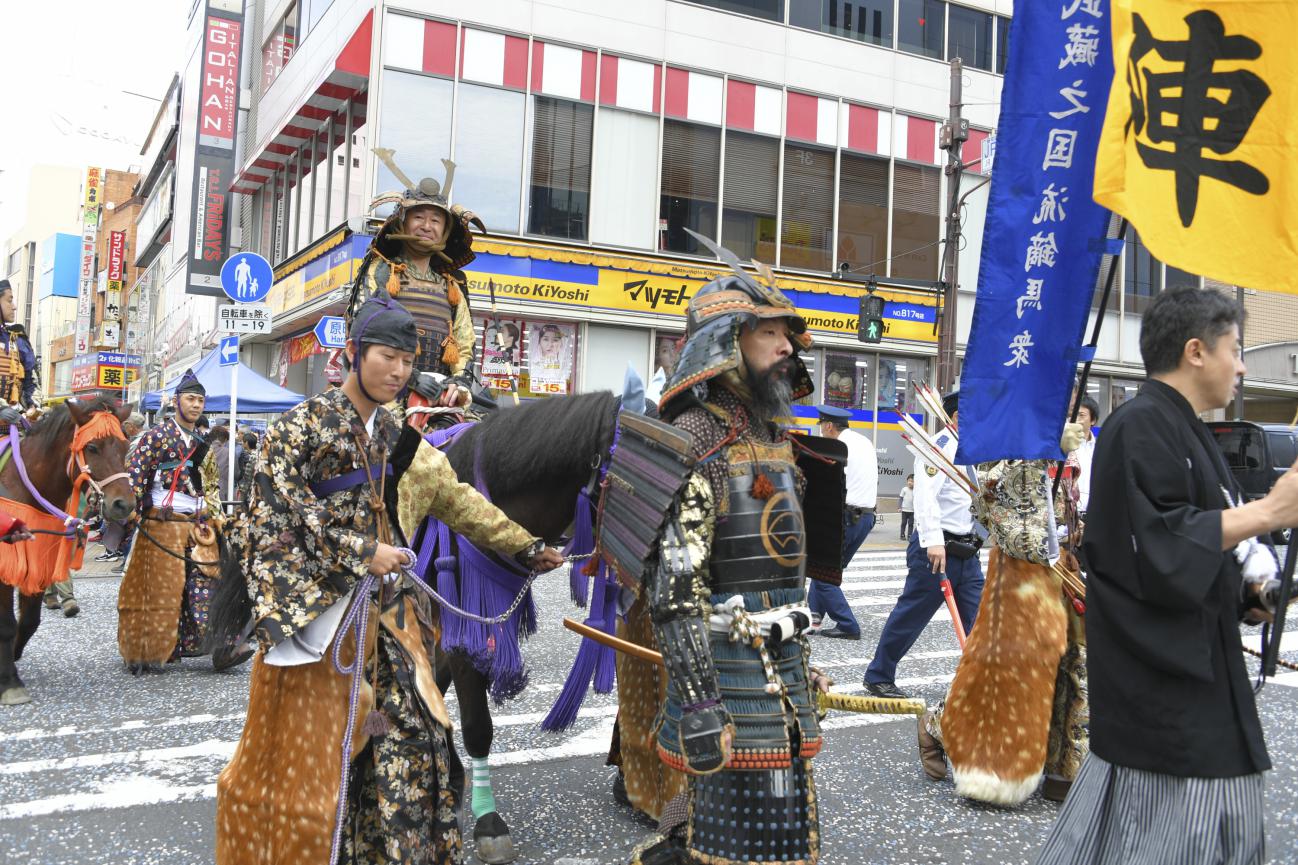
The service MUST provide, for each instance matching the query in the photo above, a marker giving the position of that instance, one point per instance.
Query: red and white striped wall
(811, 118)
(973, 149)
(631, 84)
(914, 138)
(693, 96)
(487, 57)
(753, 107)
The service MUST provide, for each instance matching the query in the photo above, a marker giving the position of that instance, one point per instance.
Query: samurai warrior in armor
(17, 361)
(727, 598)
(416, 257)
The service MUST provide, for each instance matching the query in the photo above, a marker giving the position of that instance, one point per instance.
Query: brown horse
(53, 466)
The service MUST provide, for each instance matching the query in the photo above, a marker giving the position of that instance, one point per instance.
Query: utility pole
(954, 133)
(1239, 392)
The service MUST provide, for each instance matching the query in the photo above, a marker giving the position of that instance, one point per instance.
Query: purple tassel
(582, 543)
(593, 659)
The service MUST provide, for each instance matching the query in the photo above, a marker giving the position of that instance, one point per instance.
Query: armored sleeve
(678, 599)
(462, 332)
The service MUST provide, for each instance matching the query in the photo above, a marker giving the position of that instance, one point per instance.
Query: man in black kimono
(1176, 763)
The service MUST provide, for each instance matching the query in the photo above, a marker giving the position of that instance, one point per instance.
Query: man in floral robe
(317, 529)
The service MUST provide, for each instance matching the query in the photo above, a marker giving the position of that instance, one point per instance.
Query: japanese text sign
(1043, 239)
(1197, 147)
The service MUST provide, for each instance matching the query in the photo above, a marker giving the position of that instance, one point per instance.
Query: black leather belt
(854, 513)
(969, 538)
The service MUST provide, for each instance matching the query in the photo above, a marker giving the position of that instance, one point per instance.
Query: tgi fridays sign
(218, 115)
(89, 234)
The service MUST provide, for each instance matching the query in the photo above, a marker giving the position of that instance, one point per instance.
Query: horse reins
(76, 460)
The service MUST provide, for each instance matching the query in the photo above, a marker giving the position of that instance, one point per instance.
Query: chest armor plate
(432, 312)
(760, 543)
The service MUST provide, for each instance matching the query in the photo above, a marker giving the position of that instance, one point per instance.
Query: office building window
(771, 10)
(866, 20)
(560, 184)
(916, 221)
(1174, 277)
(416, 123)
(808, 227)
(489, 154)
(624, 208)
(969, 37)
(691, 157)
(1142, 274)
(863, 213)
(920, 26)
(751, 195)
(1002, 43)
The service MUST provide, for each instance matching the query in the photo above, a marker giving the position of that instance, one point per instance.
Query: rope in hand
(410, 568)
(356, 621)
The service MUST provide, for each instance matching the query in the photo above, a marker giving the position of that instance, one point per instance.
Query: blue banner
(1043, 239)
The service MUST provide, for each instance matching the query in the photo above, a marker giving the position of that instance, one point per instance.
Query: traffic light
(869, 327)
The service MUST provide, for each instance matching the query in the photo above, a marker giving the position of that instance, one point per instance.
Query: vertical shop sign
(89, 234)
(218, 116)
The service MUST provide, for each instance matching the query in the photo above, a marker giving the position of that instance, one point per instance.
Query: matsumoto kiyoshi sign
(591, 286)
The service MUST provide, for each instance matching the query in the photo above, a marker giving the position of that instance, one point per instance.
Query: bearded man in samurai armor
(739, 717)
(416, 257)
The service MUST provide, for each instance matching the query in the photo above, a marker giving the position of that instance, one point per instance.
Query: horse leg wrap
(484, 800)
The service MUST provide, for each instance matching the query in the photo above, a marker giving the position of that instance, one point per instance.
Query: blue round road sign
(246, 277)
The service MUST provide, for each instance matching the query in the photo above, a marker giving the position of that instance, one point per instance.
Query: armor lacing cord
(742, 626)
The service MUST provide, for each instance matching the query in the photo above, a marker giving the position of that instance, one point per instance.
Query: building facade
(588, 136)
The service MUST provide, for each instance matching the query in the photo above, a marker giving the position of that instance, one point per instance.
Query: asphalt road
(104, 768)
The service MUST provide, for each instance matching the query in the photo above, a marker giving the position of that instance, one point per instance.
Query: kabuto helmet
(458, 249)
(717, 314)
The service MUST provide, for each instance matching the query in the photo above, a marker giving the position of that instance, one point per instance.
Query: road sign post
(246, 278)
(228, 355)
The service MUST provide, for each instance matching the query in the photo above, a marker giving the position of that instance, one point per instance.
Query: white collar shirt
(862, 470)
(941, 504)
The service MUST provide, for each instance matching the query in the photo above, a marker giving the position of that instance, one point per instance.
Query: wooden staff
(843, 702)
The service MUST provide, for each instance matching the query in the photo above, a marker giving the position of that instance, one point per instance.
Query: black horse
(52, 465)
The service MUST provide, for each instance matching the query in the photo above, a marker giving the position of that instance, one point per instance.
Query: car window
(1242, 447)
(1282, 449)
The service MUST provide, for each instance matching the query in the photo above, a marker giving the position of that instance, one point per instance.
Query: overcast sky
(83, 80)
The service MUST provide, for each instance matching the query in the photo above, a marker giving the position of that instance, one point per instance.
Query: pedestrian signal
(869, 326)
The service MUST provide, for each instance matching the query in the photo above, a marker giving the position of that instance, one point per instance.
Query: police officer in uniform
(945, 541)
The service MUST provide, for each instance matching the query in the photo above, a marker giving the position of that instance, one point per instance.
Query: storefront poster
(550, 350)
(502, 353)
(842, 377)
(667, 352)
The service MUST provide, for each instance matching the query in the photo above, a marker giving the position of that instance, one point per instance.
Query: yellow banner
(1198, 144)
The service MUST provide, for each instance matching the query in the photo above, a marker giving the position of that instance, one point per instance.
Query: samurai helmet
(716, 316)
(428, 192)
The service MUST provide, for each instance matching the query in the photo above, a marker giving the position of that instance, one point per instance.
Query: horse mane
(47, 431)
(539, 442)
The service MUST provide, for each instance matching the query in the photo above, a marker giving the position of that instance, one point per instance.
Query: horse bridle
(77, 460)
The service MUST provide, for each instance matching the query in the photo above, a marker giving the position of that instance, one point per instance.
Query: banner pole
(1090, 357)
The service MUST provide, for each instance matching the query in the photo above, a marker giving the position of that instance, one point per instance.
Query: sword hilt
(870, 705)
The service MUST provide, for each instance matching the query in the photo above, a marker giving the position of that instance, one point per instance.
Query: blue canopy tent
(257, 394)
